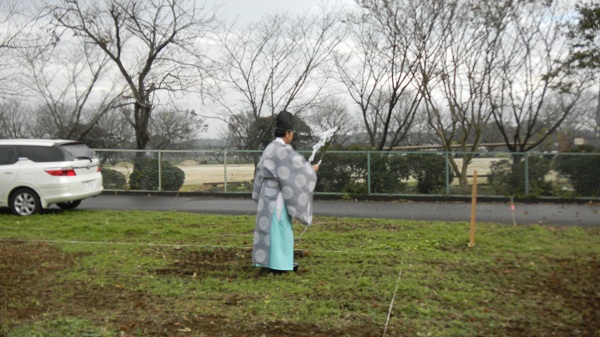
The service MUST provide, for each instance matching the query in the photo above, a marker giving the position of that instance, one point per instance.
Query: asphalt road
(539, 213)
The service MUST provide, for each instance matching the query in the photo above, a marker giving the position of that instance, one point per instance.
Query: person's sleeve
(258, 178)
(298, 180)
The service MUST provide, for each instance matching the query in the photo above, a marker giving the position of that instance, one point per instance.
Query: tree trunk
(142, 118)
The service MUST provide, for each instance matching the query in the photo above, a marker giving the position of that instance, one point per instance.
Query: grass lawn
(130, 273)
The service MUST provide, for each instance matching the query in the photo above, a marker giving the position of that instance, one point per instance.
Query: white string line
(149, 244)
(392, 303)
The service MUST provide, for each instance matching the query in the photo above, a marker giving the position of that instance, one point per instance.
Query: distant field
(199, 174)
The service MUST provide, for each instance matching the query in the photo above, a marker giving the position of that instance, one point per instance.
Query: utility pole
(598, 122)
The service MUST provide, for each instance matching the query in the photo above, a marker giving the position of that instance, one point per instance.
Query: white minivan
(36, 173)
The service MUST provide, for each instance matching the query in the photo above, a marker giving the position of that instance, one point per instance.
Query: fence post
(526, 173)
(225, 171)
(473, 210)
(159, 172)
(447, 172)
(368, 172)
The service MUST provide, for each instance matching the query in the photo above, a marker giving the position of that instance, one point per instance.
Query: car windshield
(77, 151)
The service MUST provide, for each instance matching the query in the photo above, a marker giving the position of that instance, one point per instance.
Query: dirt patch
(217, 260)
(31, 290)
(124, 165)
(26, 270)
(189, 162)
(574, 284)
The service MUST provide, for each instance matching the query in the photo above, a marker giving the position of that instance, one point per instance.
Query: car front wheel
(25, 202)
(69, 204)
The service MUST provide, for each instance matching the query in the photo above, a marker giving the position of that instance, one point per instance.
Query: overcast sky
(251, 10)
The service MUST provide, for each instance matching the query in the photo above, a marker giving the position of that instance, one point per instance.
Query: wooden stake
(473, 208)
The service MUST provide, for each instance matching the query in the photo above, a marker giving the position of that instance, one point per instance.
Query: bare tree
(155, 45)
(15, 119)
(333, 113)
(420, 132)
(9, 11)
(65, 78)
(16, 18)
(111, 131)
(456, 97)
(381, 67)
(275, 64)
(170, 127)
(528, 99)
(584, 58)
(579, 123)
(239, 129)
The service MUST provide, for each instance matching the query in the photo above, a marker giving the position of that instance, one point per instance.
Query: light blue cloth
(282, 243)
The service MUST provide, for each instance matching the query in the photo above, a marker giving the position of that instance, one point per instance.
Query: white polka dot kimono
(283, 179)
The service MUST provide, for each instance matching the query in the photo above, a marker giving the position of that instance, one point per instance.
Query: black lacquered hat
(285, 121)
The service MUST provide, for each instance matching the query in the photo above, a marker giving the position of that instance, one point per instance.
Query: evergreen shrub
(145, 175)
(113, 180)
(583, 171)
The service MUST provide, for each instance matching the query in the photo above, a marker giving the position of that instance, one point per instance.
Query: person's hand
(316, 167)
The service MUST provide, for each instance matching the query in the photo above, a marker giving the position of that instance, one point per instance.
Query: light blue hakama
(282, 243)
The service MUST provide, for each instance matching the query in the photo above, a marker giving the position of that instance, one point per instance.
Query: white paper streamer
(325, 137)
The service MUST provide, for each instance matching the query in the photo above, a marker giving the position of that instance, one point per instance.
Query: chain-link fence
(562, 175)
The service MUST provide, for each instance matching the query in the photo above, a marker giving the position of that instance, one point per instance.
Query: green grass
(60, 327)
(520, 279)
